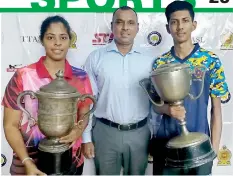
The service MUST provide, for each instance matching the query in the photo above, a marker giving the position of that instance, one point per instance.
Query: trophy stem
(55, 140)
(177, 103)
(184, 130)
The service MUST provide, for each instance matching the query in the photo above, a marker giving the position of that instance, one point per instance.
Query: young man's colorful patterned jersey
(214, 86)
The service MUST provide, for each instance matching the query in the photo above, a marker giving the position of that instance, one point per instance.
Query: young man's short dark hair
(177, 6)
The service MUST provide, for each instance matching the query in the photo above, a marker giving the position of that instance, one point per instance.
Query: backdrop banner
(21, 46)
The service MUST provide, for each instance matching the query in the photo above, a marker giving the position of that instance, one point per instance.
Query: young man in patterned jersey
(180, 18)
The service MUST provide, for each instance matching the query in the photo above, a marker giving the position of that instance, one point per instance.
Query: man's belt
(124, 127)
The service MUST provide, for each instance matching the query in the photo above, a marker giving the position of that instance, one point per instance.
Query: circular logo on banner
(154, 38)
(73, 40)
(224, 156)
(3, 160)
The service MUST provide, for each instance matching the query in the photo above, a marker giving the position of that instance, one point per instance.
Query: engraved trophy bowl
(57, 112)
(172, 83)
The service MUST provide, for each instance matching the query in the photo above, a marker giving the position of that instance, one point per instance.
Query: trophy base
(52, 146)
(55, 163)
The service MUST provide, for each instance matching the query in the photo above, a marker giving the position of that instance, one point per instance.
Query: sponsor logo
(36, 39)
(227, 41)
(224, 156)
(154, 38)
(3, 160)
(198, 40)
(30, 39)
(150, 159)
(102, 38)
(13, 68)
(73, 40)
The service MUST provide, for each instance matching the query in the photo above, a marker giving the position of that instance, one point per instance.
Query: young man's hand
(177, 112)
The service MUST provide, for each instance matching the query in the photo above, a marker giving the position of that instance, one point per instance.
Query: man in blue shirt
(180, 18)
(120, 134)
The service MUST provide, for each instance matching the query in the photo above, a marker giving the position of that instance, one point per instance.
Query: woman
(55, 35)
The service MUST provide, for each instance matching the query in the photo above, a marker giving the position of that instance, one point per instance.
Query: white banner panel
(21, 46)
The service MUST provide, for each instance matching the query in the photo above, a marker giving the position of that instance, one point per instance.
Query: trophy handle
(202, 86)
(144, 83)
(82, 98)
(32, 121)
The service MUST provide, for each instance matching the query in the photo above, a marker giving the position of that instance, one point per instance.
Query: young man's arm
(216, 123)
(219, 93)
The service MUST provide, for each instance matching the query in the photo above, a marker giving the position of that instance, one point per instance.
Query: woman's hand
(31, 168)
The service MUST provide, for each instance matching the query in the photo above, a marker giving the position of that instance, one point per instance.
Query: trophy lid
(170, 67)
(58, 85)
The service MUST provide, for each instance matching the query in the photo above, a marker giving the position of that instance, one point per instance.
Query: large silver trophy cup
(172, 84)
(57, 114)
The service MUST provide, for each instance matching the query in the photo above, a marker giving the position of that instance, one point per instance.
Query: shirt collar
(112, 47)
(196, 47)
(43, 72)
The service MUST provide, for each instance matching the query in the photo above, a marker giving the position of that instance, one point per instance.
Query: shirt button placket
(126, 72)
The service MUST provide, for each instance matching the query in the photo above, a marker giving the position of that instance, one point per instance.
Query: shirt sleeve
(89, 68)
(13, 89)
(218, 85)
(155, 64)
(153, 92)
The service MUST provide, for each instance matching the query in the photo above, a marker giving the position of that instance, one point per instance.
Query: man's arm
(86, 136)
(89, 68)
(216, 123)
(87, 146)
(161, 109)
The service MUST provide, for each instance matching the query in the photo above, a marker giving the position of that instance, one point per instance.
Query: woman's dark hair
(53, 19)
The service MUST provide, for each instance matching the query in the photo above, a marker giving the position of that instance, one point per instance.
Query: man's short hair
(178, 6)
(124, 8)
